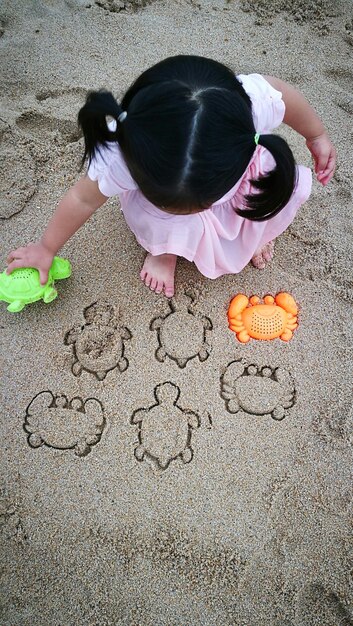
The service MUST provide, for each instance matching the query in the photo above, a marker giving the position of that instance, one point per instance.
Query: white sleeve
(268, 107)
(109, 169)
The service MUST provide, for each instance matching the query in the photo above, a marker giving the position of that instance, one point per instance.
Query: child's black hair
(188, 137)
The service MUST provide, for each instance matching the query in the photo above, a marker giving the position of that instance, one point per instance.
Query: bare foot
(158, 273)
(263, 255)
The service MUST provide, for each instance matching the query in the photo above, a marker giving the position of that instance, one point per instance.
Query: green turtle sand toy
(23, 286)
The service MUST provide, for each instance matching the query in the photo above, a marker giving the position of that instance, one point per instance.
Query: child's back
(198, 172)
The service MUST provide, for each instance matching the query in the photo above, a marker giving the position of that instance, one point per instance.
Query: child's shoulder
(256, 86)
(267, 104)
(109, 168)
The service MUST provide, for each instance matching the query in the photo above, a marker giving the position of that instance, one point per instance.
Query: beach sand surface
(146, 478)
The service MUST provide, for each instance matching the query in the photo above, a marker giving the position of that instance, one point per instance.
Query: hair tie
(256, 138)
(122, 116)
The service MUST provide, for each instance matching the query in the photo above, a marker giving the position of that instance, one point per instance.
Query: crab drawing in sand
(257, 390)
(59, 423)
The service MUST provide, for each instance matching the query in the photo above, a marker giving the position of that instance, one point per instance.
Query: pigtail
(276, 188)
(92, 119)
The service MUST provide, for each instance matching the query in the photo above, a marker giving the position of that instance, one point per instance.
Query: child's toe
(169, 290)
(147, 280)
(263, 256)
(258, 262)
(268, 251)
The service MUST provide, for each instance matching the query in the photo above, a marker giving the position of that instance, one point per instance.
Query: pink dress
(217, 240)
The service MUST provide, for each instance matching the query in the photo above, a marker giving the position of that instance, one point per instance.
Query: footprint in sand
(59, 423)
(11, 525)
(257, 390)
(115, 6)
(335, 427)
(62, 105)
(348, 32)
(18, 177)
(317, 13)
(320, 259)
(345, 103)
(60, 97)
(165, 428)
(343, 78)
(319, 606)
(40, 125)
(180, 319)
(98, 345)
(3, 24)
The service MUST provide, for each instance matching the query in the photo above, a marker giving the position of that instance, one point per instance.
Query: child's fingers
(324, 176)
(321, 163)
(324, 154)
(43, 277)
(325, 179)
(318, 165)
(331, 165)
(15, 254)
(14, 265)
(17, 263)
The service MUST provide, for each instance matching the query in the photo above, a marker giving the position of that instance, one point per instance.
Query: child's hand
(34, 255)
(324, 154)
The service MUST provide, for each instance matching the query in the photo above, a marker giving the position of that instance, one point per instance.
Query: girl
(191, 156)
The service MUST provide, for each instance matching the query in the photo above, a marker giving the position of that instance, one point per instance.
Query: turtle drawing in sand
(99, 344)
(164, 432)
(171, 329)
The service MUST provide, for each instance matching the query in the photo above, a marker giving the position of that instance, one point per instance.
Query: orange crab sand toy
(276, 318)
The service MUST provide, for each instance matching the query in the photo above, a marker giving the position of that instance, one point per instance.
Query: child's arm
(78, 204)
(301, 117)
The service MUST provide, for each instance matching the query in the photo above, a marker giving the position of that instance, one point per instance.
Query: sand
(154, 470)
